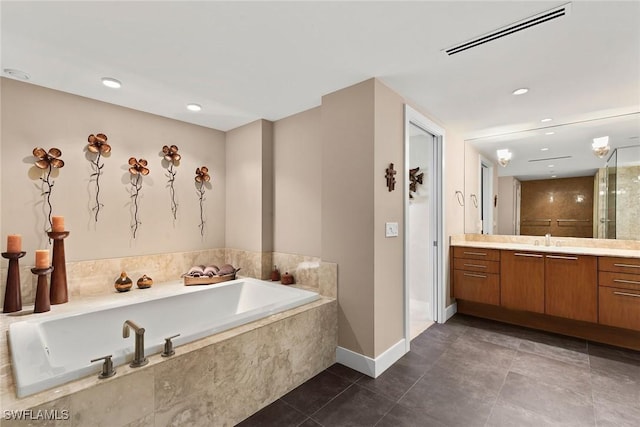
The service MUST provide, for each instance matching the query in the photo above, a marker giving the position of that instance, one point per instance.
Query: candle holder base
(43, 303)
(58, 294)
(12, 294)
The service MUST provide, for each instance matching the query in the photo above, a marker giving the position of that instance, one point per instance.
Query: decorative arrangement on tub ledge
(47, 161)
(207, 275)
(172, 158)
(390, 177)
(415, 178)
(202, 177)
(137, 169)
(98, 146)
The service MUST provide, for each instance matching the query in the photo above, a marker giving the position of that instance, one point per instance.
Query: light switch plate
(391, 229)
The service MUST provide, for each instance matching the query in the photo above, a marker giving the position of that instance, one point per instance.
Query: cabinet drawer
(619, 307)
(476, 253)
(619, 280)
(477, 287)
(619, 265)
(478, 265)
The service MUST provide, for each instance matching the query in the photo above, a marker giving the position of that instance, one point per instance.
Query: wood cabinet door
(571, 286)
(522, 280)
(477, 287)
(620, 308)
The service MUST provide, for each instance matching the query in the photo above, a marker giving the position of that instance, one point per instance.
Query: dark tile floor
(474, 372)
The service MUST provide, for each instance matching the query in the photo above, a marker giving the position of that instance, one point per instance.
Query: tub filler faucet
(138, 358)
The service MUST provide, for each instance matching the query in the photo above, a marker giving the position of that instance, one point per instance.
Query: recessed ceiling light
(544, 149)
(550, 166)
(546, 120)
(18, 74)
(549, 133)
(554, 176)
(111, 82)
(520, 91)
(194, 107)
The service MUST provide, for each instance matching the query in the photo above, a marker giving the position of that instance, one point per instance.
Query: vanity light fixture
(194, 107)
(18, 74)
(504, 156)
(600, 146)
(520, 91)
(111, 82)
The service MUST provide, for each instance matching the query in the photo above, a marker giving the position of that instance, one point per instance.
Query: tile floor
(474, 372)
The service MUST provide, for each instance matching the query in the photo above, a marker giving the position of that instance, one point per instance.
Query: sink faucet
(547, 239)
(138, 358)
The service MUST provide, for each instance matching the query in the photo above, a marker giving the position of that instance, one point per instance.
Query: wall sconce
(600, 146)
(504, 157)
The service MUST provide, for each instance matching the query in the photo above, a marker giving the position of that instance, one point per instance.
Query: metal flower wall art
(202, 178)
(96, 148)
(137, 169)
(47, 161)
(172, 158)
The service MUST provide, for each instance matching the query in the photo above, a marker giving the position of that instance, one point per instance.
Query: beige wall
(506, 205)
(34, 116)
(298, 183)
(471, 186)
(249, 187)
(388, 261)
(347, 209)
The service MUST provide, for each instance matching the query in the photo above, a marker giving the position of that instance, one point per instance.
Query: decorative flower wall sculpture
(202, 177)
(137, 169)
(98, 146)
(173, 158)
(47, 160)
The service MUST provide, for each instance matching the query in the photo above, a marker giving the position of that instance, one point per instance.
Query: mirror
(539, 188)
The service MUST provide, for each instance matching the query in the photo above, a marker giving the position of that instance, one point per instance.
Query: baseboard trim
(450, 311)
(368, 366)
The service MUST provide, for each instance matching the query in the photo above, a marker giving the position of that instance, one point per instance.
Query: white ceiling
(248, 60)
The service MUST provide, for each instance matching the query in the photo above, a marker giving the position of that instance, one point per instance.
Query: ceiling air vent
(529, 22)
(550, 158)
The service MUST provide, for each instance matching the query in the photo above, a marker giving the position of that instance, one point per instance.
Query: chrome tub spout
(138, 357)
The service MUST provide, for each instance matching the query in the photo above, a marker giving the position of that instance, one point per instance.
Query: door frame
(412, 116)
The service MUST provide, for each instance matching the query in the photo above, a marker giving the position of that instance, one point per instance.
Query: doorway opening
(486, 196)
(423, 278)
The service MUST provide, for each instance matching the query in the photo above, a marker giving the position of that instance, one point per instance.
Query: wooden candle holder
(58, 293)
(12, 295)
(43, 303)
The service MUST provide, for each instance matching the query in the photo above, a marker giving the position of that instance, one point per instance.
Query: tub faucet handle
(168, 346)
(107, 367)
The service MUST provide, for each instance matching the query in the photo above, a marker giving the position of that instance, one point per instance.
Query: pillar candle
(57, 223)
(14, 243)
(42, 258)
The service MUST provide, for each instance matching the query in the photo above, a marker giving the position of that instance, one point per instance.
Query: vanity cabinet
(571, 286)
(594, 297)
(619, 292)
(476, 275)
(522, 281)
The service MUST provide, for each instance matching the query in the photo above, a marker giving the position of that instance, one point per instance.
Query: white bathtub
(54, 349)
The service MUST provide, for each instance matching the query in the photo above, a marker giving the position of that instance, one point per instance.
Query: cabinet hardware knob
(631, 282)
(626, 294)
(481, 276)
(572, 258)
(475, 265)
(529, 255)
(627, 265)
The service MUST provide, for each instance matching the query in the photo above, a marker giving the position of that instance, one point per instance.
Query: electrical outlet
(391, 229)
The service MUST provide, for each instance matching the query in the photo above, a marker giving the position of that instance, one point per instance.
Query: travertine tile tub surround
(267, 358)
